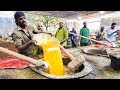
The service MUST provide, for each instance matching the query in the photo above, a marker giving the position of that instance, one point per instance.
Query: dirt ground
(100, 65)
(7, 45)
(15, 73)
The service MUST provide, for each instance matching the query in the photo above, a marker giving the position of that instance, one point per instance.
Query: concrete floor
(100, 65)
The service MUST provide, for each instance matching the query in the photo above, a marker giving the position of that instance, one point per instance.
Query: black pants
(84, 44)
(74, 44)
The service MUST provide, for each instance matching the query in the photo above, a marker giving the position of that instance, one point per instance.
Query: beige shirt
(21, 37)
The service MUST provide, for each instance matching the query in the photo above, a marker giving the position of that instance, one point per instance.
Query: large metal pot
(115, 62)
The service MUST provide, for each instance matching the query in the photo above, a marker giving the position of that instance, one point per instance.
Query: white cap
(39, 23)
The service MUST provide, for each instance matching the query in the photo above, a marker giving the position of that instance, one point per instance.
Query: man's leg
(85, 44)
(81, 44)
(74, 43)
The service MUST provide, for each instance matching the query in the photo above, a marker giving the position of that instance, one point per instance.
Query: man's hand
(117, 31)
(25, 46)
(50, 34)
(46, 65)
(33, 42)
(43, 64)
(61, 42)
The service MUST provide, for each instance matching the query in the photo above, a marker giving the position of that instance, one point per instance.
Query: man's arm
(109, 32)
(63, 40)
(25, 46)
(18, 43)
(89, 37)
(47, 33)
(80, 34)
(56, 33)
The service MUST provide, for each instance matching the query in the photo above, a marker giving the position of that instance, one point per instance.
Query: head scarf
(18, 14)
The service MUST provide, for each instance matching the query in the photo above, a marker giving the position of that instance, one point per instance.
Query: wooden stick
(90, 39)
(75, 62)
(68, 54)
(31, 60)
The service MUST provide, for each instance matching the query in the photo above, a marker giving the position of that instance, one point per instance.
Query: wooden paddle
(90, 39)
(76, 62)
(20, 56)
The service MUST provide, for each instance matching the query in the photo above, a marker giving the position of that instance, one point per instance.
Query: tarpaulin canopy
(65, 14)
